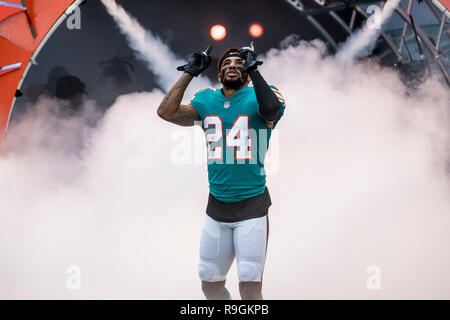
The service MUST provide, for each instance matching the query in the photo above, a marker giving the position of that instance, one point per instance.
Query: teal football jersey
(237, 140)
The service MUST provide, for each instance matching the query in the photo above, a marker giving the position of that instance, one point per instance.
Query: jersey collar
(236, 94)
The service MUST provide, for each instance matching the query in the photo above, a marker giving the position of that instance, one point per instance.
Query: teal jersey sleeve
(282, 102)
(200, 101)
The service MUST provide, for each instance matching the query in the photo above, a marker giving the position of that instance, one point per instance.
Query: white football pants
(221, 242)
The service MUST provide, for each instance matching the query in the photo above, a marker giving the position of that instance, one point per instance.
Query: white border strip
(441, 7)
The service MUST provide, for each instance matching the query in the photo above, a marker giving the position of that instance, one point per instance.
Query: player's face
(230, 68)
(231, 72)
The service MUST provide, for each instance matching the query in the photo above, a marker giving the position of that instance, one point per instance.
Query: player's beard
(233, 84)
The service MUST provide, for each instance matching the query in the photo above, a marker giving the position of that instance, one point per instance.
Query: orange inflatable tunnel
(25, 26)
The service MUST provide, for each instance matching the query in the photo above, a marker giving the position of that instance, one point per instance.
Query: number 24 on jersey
(237, 137)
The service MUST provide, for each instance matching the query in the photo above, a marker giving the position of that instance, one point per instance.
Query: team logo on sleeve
(278, 94)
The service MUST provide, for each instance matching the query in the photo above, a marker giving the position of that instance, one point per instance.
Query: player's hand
(197, 63)
(249, 55)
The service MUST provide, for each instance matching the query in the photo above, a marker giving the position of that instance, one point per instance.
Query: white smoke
(361, 43)
(361, 182)
(158, 56)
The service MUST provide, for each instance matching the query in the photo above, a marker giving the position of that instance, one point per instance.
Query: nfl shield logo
(226, 104)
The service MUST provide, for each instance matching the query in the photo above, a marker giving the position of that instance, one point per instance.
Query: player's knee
(249, 271)
(207, 271)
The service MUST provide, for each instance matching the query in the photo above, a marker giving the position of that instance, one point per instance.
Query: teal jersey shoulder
(237, 140)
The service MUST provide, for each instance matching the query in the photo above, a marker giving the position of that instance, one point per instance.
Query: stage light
(256, 30)
(218, 32)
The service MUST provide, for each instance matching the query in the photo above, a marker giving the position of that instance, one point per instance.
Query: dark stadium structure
(413, 48)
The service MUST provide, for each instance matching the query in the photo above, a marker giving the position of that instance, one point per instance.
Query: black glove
(251, 64)
(198, 63)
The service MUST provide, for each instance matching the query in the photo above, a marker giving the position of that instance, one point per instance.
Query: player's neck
(229, 92)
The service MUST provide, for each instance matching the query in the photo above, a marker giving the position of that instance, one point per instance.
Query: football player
(237, 120)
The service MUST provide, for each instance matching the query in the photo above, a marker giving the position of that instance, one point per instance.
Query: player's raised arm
(170, 108)
(269, 107)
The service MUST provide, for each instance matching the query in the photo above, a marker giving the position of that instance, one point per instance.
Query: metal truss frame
(433, 52)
